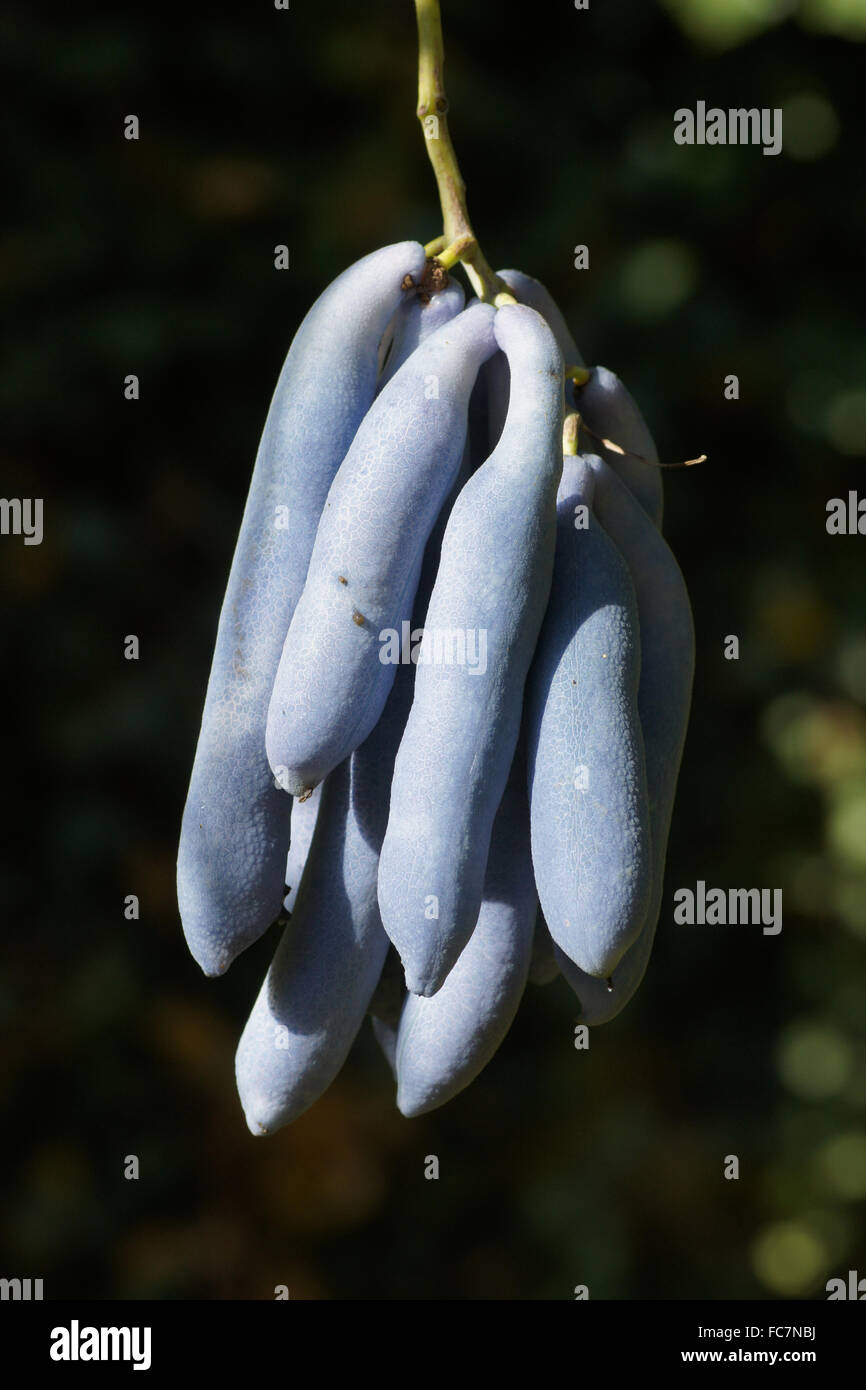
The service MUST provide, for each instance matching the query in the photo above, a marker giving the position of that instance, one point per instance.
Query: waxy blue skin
(607, 407)
(385, 1033)
(664, 698)
(543, 967)
(533, 293)
(496, 372)
(235, 831)
(444, 1042)
(590, 844)
(413, 322)
(331, 685)
(329, 959)
(387, 1002)
(494, 577)
(612, 413)
(386, 1007)
(303, 824)
(328, 966)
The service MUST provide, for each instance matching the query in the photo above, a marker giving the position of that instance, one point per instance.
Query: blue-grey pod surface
(445, 1041)
(385, 1033)
(235, 830)
(612, 413)
(482, 624)
(329, 960)
(332, 964)
(543, 967)
(303, 824)
(533, 293)
(386, 1007)
(388, 996)
(496, 373)
(332, 683)
(386, 1004)
(415, 321)
(417, 318)
(495, 384)
(495, 379)
(587, 779)
(664, 698)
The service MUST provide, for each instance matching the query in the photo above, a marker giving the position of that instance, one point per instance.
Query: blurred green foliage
(558, 1167)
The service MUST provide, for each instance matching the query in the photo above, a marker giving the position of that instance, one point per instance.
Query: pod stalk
(432, 112)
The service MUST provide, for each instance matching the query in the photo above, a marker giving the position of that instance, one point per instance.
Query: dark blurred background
(261, 127)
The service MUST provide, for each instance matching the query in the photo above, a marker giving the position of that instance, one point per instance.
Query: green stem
(433, 114)
(570, 433)
(450, 255)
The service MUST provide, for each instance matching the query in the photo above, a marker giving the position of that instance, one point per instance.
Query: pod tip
(424, 985)
(257, 1114)
(212, 960)
(410, 1104)
(213, 970)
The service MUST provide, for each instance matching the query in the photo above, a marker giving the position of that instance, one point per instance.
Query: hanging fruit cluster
(450, 689)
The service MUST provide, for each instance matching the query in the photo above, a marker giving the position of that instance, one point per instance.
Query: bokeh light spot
(851, 666)
(842, 1163)
(725, 23)
(657, 277)
(849, 895)
(814, 1060)
(787, 1257)
(846, 422)
(846, 826)
(845, 18)
(810, 126)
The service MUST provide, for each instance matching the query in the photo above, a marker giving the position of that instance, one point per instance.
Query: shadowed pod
(664, 696)
(442, 1043)
(331, 684)
(496, 371)
(493, 579)
(543, 967)
(587, 780)
(304, 816)
(331, 955)
(612, 413)
(416, 318)
(235, 831)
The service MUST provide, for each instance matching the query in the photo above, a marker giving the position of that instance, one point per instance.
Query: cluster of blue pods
(449, 693)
